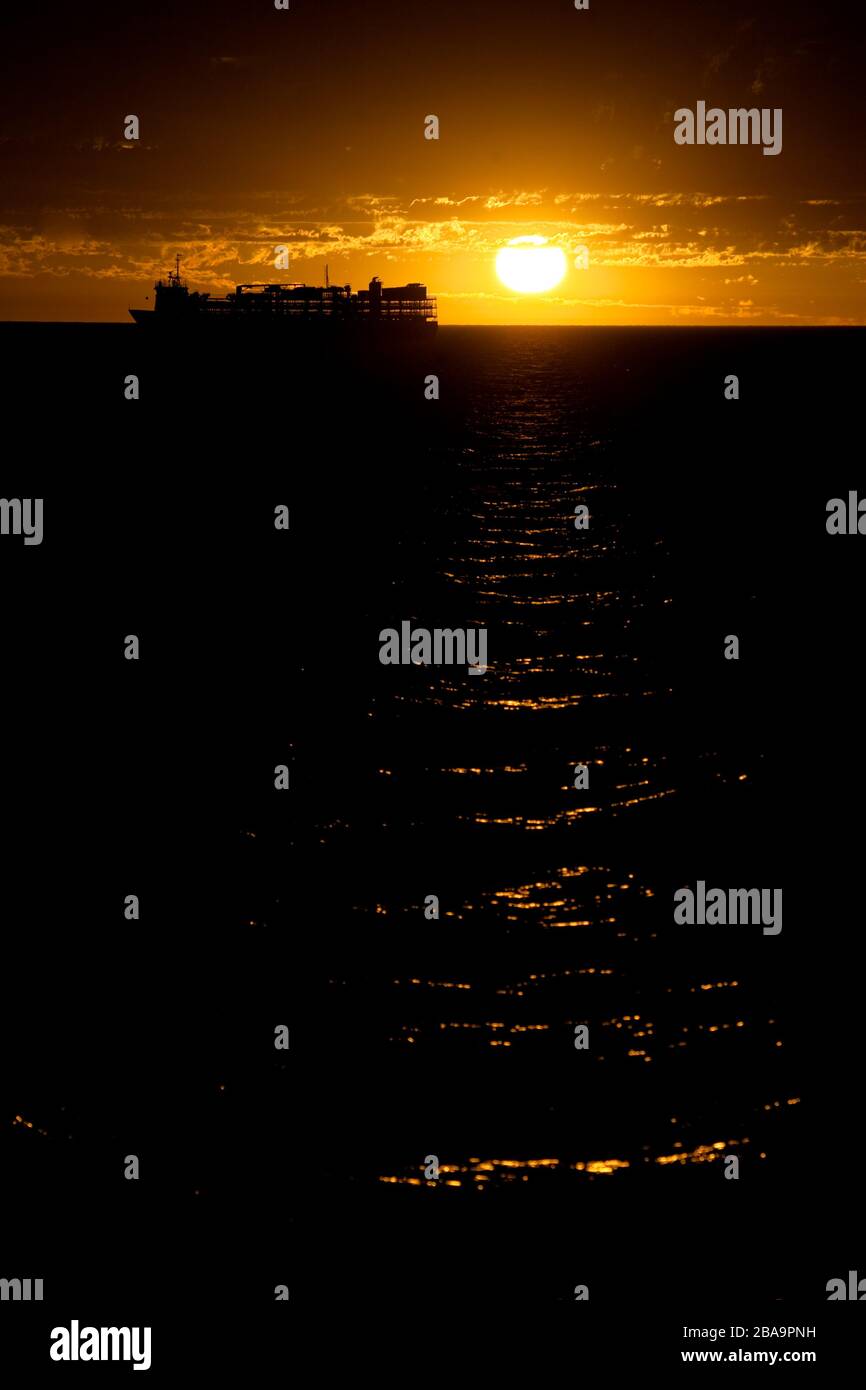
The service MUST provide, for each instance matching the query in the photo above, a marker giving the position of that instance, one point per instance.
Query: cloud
(724, 240)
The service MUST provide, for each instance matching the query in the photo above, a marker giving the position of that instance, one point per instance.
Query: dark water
(453, 1037)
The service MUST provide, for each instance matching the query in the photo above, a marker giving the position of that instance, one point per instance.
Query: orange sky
(304, 128)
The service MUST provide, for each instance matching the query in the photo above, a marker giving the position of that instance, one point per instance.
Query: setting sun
(529, 266)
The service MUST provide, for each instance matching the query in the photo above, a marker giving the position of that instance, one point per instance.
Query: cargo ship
(403, 309)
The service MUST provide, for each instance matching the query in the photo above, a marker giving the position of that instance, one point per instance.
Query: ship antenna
(327, 281)
(177, 266)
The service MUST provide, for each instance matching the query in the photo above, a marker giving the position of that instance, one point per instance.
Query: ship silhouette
(405, 308)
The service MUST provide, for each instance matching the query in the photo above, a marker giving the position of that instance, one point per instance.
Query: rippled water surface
(604, 649)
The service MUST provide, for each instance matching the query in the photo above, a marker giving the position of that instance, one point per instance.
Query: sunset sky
(305, 128)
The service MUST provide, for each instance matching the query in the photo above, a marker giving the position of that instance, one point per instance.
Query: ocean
(413, 1037)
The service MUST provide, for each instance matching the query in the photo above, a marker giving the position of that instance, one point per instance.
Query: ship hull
(288, 325)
